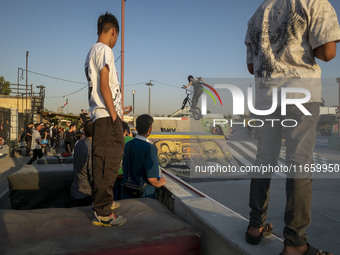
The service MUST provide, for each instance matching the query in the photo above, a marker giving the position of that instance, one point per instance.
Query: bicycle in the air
(195, 111)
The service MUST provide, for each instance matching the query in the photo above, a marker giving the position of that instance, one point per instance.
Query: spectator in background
(82, 168)
(69, 138)
(57, 140)
(83, 117)
(1, 139)
(43, 134)
(36, 143)
(28, 138)
(54, 135)
(7, 129)
(140, 163)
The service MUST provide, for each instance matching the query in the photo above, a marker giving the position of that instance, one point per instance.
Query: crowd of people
(109, 164)
(41, 138)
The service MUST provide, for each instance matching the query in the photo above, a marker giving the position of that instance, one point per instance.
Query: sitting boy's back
(140, 163)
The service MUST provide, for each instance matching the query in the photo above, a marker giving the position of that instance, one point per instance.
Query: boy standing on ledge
(106, 112)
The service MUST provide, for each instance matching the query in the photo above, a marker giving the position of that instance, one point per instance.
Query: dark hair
(106, 22)
(143, 123)
(190, 77)
(36, 125)
(125, 127)
(31, 123)
(88, 128)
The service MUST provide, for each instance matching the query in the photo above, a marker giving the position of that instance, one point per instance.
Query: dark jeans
(117, 189)
(28, 147)
(56, 146)
(196, 96)
(107, 153)
(36, 153)
(300, 142)
(81, 202)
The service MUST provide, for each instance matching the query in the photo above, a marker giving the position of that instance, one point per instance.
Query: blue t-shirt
(141, 161)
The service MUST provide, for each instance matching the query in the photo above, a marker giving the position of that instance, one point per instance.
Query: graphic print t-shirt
(35, 136)
(98, 57)
(196, 83)
(280, 40)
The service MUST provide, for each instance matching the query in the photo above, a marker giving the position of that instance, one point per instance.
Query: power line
(118, 58)
(70, 93)
(134, 84)
(56, 78)
(166, 84)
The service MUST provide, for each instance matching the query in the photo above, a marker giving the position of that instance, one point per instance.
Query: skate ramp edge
(151, 229)
(222, 231)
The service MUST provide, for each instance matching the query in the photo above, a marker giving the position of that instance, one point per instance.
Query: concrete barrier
(41, 186)
(222, 230)
(55, 160)
(151, 229)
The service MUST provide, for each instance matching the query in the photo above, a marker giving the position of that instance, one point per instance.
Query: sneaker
(108, 221)
(115, 205)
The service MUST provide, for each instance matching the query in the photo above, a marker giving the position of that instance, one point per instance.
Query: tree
(4, 86)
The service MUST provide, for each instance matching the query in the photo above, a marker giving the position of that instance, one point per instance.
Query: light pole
(18, 95)
(149, 84)
(122, 51)
(133, 102)
(26, 114)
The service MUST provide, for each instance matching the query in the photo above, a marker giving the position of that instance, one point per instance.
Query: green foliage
(4, 86)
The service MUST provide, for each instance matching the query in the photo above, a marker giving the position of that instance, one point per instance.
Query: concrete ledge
(222, 230)
(151, 229)
(47, 160)
(41, 186)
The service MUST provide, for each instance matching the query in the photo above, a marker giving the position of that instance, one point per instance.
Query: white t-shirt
(98, 57)
(35, 135)
(280, 40)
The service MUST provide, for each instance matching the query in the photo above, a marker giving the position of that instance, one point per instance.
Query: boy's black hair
(88, 128)
(106, 22)
(125, 127)
(31, 123)
(143, 123)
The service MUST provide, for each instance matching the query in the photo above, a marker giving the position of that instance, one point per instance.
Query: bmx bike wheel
(196, 113)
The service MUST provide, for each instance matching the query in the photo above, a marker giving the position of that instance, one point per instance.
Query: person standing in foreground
(106, 112)
(36, 143)
(283, 39)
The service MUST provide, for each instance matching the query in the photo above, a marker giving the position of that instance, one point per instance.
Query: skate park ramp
(180, 124)
(151, 229)
(184, 142)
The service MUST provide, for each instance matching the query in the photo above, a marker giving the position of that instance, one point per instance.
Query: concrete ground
(324, 231)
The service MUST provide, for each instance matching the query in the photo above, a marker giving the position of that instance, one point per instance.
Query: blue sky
(165, 41)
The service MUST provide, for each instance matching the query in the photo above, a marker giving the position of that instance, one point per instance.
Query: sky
(165, 41)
